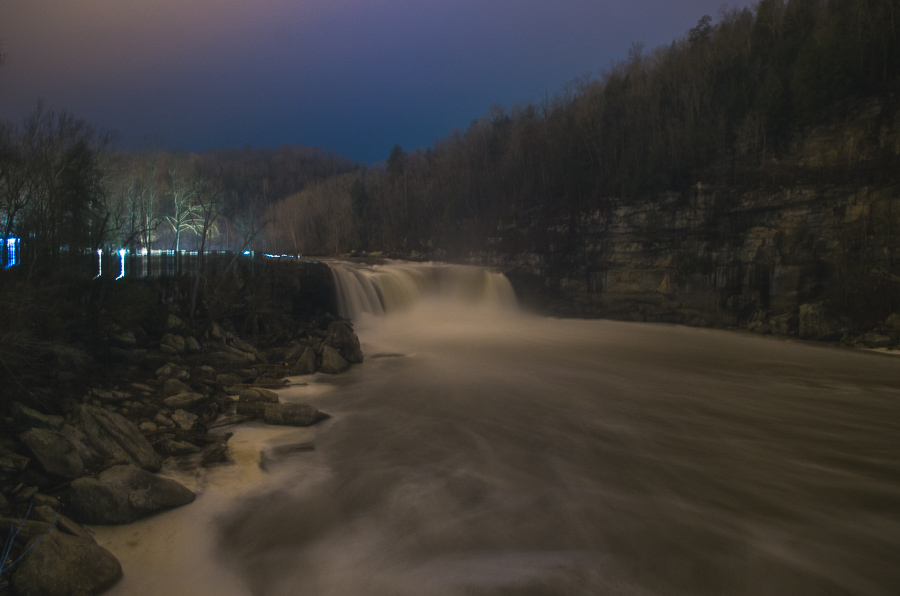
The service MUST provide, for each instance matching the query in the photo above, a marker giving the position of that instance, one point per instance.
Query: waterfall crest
(397, 286)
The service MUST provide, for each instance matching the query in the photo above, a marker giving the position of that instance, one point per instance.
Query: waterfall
(397, 286)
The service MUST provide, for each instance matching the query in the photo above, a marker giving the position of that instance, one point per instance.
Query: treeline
(721, 104)
(65, 192)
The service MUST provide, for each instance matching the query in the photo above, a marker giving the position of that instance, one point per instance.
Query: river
(482, 450)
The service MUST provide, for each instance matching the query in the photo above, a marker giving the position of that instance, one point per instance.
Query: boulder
(114, 437)
(172, 344)
(173, 447)
(342, 338)
(174, 324)
(245, 346)
(124, 339)
(184, 420)
(12, 463)
(216, 333)
(55, 452)
(306, 363)
(332, 362)
(191, 345)
(293, 414)
(63, 565)
(252, 409)
(258, 394)
(892, 323)
(785, 324)
(183, 400)
(173, 386)
(25, 417)
(873, 339)
(228, 379)
(815, 324)
(123, 494)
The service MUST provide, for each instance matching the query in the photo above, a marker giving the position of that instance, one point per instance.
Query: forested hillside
(725, 104)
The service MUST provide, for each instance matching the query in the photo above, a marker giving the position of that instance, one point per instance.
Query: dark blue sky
(354, 76)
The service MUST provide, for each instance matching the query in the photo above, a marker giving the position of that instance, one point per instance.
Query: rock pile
(94, 461)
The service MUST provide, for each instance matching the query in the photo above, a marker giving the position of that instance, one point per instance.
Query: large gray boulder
(306, 362)
(114, 437)
(293, 415)
(63, 565)
(342, 338)
(123, 494)
(54, 452)
(332, 362)
(64, 453)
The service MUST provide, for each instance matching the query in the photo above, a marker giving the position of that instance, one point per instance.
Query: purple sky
(354, 76)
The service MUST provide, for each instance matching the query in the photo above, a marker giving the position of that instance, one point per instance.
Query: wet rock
(258, 394)
(63, 565)
(147, 427)
(306, 362)
(342, 338)
(184, 420)
(252, 409)
(293, 414)
(114, 437)
(332, 361)
(174, 447)
(123, 494)
(184, 400)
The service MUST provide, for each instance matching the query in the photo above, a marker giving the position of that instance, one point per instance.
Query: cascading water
(397, 286)
(479, 450)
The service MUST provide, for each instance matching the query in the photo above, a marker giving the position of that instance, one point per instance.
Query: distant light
(246, 252)
(99, 263)
(122, 261)
(12, 252)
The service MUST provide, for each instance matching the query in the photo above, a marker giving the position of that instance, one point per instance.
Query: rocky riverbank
(85, 447)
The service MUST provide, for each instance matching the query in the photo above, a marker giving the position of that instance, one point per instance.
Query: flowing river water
(482, 450)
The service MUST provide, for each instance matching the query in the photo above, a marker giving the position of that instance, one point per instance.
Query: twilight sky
(353, 76)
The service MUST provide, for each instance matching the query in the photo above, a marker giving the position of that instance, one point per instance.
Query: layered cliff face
(809, 248)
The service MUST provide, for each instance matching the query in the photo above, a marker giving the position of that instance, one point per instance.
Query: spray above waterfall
(397, 286)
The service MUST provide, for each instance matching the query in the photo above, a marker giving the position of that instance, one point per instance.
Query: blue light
(12, 252)
(122, 261)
